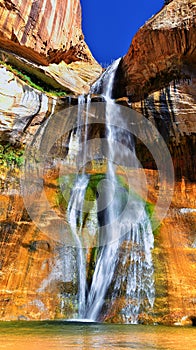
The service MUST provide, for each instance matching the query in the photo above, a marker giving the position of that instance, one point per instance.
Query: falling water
(76, 206)
(75, 210)
(124, 259)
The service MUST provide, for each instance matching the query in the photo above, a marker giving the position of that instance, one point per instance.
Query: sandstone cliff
(158, 75)
(44, 33)
(163, 50)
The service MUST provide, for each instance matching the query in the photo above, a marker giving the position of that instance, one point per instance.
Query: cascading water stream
(104, 271)
(136, 238)
(75, 207)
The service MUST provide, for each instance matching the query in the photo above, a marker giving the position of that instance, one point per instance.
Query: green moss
(11, 156)
(150, 211)
(91, 193)
(148, 206)
(122, 182)
(66, 184)
(33, 81)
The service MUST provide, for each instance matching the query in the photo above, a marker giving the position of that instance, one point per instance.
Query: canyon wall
(44, 39)
(43, 31)
(158, 76)
(162, 50)
(157, 79)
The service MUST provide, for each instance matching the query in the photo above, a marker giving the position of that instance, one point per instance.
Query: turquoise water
(87, 336)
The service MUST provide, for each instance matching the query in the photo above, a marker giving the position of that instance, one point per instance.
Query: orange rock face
(32, 280)
(32, 285)
(162, 50)
(44, 31)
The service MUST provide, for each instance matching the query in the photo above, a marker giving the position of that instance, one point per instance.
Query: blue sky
(109, 25)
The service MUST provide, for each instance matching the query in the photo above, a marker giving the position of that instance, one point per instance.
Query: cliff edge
(43, 38)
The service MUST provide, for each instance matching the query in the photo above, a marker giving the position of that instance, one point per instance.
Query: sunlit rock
(76, 77)
(46, 33)
(20, 106)
(163, 50)
(43, 31)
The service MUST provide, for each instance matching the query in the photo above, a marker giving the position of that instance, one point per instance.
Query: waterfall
(123, 260)
(76, 201)
(75, 208)
(104, 85)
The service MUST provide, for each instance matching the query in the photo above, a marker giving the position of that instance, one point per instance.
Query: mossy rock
(11, 156)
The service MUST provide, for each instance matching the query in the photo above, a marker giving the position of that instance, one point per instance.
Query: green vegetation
(91, 192)
(33, 81)
(148, 206)
(66, 184)
(150, 210)
(11, 156)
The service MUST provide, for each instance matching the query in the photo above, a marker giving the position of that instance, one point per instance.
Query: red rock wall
(43, 30)
(160, 51)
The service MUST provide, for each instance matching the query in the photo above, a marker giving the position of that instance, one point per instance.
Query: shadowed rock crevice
(193, 320)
